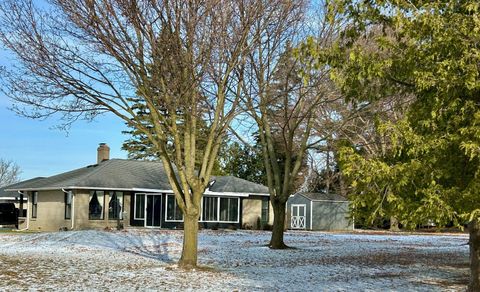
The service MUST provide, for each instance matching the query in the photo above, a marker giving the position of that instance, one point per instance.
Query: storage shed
(318, 211)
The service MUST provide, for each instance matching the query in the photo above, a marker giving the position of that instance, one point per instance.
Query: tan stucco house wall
(51, 212)
(252, 211)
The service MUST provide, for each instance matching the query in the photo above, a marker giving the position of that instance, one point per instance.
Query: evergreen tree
(427, 49)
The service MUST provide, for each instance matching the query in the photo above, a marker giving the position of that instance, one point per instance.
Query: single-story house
(119, 192)
(318, 211)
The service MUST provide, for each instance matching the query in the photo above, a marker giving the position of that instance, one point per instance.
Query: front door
(152, 210)
(298, 217)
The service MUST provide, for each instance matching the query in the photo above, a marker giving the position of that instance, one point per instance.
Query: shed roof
(121, 174)
(323, 197)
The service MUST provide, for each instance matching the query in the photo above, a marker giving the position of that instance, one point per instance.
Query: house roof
(323, 197)
(14, 194)
(236, 185)
(134, 175)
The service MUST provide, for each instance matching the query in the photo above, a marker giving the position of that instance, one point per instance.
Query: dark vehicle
(8, 214)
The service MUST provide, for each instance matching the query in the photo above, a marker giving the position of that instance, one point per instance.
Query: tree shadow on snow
(151, 244)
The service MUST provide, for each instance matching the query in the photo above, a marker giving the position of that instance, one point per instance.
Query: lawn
(138, 259)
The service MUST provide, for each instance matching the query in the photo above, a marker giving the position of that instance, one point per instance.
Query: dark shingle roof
(4, 193)
(129, 174)
(236, 185)
(323, 197)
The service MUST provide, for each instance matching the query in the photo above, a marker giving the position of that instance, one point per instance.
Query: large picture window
(115, 205)
(174, 213)
(229, 209)
(210, 209)
(68, 205)
(220, 209)
(139, 211)
(34, 204)
(95, 206)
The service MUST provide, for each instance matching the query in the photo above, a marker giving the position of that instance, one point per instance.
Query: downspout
(72, 215)
(28, 214)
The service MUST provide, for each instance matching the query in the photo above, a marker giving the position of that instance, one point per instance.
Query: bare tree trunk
(474, 230)
(394, 224)
(190, 242)
(276, 241)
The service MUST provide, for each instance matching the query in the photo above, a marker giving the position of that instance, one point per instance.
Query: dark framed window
(139, 211)
(68, 205)
(34, 204)
(210, 209)
(229, 209)
(21, 211)
(174, 213)
(115, 206)
(95, 205)
(265, 210)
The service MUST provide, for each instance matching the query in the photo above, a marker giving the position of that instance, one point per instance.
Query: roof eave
(92, 188)
(207, 192)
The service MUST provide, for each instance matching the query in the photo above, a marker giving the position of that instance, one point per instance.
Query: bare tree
(9, 172)
(176, 59)
(283, 102)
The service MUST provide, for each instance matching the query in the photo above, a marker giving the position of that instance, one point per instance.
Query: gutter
(211, 193)
(94, 188)
(28, 214)
(207, 191)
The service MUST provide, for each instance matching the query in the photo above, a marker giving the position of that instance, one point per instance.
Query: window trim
(218, 210)
(135, 206)
(34, 215)
(166, 209)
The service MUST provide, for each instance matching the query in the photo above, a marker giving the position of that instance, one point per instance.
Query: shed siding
(330, 215)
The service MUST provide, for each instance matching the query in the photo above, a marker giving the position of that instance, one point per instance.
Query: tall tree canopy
(428, 50)
(283, 102)
(176, 60)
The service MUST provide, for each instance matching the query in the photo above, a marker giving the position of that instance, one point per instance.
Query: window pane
(265, 209)
(68, 206)
(233, 210)
(115, 205)
(34, 204)
(173, 211)
(95, 207)
(170, 207)
(139, 206)
(210, 209)
(229, 209)
(178, 211)
(224, 206)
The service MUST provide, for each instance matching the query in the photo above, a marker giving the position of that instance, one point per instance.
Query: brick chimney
(103, 152)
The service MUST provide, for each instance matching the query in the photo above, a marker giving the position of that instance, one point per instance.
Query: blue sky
(40, 150)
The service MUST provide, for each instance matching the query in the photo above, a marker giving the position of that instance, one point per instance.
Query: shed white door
(298, 216)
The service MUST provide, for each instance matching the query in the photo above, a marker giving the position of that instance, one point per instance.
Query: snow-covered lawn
(235, 260)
